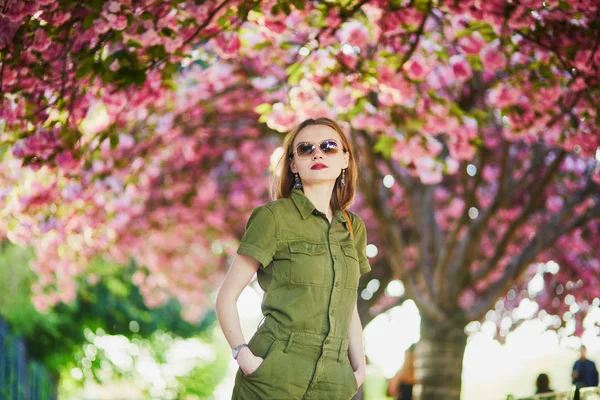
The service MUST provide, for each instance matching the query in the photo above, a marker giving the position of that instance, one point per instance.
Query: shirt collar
(306, 207)
(302, 203)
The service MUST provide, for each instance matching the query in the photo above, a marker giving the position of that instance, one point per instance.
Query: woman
(308, 254)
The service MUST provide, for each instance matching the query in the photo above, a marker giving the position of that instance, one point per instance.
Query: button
(310, 249)
(332, 312)
(337, 284)
(327, 341)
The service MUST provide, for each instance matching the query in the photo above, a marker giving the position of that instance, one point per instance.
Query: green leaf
(385, 145)
(170, 69)
(413, 124)
(133, 43)
(476, 141)
(201, 63)
(170, 84)
(456, 110)
(84, 70)
(223, 21)
(114, 141)
(545, 71)
(3, 148)
(138, 76)
(263, 108)
(262, 45)
(69, 137)
(88, 22)
(285, 5)
(475, 62)
(485, 29)
(463, 32)
(564, 6)
(243, 10)
(299, 4)
(157, 51)
(442, 55)
(129, 75)
(168, 32)
(295, 74)
(422, 5)
(357, 109)
(107, 76)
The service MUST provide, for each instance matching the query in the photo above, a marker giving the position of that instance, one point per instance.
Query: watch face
(235, 351)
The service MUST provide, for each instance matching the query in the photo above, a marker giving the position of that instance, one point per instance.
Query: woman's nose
(317, 153)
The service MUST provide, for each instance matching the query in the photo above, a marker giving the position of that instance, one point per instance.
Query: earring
(297, 183)
(343, 179)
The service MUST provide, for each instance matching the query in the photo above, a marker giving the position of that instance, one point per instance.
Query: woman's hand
(247, 361)
(360, 376)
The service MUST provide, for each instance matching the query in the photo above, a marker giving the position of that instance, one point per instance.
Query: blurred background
(108, 345)
(137, 136)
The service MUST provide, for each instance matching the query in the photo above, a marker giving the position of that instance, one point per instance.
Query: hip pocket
(262, 345)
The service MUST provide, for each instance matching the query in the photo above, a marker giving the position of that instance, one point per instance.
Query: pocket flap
(350, 251)
(306, 248)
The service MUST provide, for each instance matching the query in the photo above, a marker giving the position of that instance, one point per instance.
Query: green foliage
(111, 305)
(485, 29)
(385, 145)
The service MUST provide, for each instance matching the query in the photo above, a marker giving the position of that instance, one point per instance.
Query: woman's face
(318, 167)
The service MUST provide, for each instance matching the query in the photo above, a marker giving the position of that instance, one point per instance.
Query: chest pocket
(352, 269)
(308, 263)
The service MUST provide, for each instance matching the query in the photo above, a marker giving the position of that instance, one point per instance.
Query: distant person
(401, 385)
(542, 384)
(585, 373)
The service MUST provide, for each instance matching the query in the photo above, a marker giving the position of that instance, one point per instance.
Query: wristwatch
(237, 349)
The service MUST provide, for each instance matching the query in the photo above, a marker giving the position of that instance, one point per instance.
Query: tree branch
(209, 18)
(468, 244)
(419, 33)
(545, 237)
(535, 203)
(390, 235)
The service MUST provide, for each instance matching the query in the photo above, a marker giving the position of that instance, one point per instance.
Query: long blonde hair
(342, 197)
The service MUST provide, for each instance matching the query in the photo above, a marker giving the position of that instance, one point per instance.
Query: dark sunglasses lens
(329, 147)
(305, 149)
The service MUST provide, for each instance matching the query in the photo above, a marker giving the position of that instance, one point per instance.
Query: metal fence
(20, 378)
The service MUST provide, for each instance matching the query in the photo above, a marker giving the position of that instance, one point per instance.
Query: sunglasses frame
(295, 152)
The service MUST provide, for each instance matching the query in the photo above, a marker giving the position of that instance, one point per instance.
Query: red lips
(318, 166)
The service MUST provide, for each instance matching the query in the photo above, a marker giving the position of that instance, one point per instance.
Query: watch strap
(237, 350)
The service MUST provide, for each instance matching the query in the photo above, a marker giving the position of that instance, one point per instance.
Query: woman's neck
(320, 195)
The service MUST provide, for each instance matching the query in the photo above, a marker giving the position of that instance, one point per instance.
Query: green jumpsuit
(309, 273)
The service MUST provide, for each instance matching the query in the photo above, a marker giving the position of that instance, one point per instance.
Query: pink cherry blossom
(493, 59)
(504, 96)
(460, 67)
(471, 44)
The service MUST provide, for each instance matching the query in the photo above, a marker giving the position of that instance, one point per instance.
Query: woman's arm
(238, 277)
(356, 348)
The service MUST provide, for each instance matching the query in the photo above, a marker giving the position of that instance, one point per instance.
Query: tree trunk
(439, 360)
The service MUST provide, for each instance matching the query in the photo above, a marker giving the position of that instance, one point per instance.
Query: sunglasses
(329, 147)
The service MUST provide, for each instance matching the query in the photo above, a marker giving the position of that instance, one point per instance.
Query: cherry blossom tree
(148, 130)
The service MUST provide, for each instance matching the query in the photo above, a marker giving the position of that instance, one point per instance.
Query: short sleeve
(360, 241)
(260, 239)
